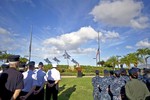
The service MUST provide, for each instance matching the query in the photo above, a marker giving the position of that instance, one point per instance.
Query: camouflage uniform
(115, 88)
(96, 87)
(140, 77)
(106, 81)
(125, 78)
(146, 79)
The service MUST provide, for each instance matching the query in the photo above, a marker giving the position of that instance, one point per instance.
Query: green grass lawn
(75, 89)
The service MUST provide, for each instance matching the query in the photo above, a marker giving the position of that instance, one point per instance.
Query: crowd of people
(28, 84)
(118, 85)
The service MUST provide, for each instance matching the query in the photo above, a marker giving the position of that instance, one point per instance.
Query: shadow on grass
(62, 88)
(65, 95)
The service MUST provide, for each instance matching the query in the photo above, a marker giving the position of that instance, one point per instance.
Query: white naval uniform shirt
(41, 77)
(30, 80)
(53, 74)
(1, 72)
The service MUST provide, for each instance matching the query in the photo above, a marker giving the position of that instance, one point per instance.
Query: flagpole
(98, 46)
(30, 44)
(68, 62)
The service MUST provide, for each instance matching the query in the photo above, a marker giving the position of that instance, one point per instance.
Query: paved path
(76, 76)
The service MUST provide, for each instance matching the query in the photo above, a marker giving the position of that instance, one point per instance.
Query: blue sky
(73, 25)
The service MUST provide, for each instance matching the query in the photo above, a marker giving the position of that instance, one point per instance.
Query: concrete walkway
(76, 76)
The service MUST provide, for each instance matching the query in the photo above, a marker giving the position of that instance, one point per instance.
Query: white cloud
(5, 38)
(84, 51)
(129, 47)
(47, 52)
(140, 23)
(72, 40)
(4, 31)
(120, 13)
(108, 35)
(26, 1)
(143, 43)
(8, 40)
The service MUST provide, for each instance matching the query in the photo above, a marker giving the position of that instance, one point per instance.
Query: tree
(144, 53)
(125, 60)
(23, 60)
(4, 57)
(134, 59)
(113, 61)
(101, 63)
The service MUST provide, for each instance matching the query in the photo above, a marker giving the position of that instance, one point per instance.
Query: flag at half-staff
(97, 56)
(66, 56)
(74, 61)
(47, 60)
(56, 60)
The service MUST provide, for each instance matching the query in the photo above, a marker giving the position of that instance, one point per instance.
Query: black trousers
(40, 95)
(22, 93)
(52, 91)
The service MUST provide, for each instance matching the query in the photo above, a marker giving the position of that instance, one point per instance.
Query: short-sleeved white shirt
(40, 77)
(53, 74)
(30, 80)
(1, 71)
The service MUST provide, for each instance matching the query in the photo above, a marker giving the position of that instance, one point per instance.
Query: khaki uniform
(136, 90)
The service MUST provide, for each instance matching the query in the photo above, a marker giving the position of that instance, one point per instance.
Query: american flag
(74, 61)
(47, 60)
(97, 53)
(55, 59)
(66, 55)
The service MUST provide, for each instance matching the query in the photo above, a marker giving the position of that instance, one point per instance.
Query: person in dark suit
(11, 80)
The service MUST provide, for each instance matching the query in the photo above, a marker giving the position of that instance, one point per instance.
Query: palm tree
(144, 53)
(101, 63)
(113, 61)
(23, 60)
(4, 57)
(134, 59)
(125, 60)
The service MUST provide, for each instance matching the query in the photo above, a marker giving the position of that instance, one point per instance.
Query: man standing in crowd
(41, 81)
(30, 82)
(125, 78)
(4, 67)
(11, 80)
(53, 77)
(116, 85)
(96, 85)
(136, 89)
(22, 67)
(106, 81)
(146, 78)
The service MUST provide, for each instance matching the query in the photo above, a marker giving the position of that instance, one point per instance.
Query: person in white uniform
(41, 81)
(53, 77)
(30, 82)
